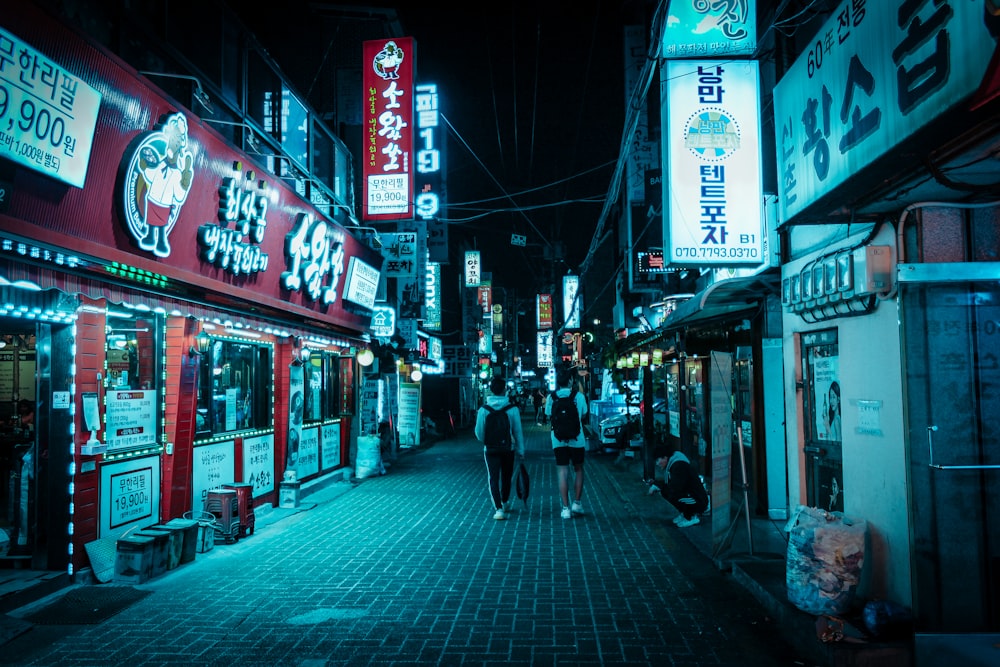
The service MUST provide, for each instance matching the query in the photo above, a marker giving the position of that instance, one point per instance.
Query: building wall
(875, 466)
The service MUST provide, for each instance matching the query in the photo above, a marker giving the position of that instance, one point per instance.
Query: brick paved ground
(411, 569)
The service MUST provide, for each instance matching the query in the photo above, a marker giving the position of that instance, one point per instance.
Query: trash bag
(522, 484)
(826, 554)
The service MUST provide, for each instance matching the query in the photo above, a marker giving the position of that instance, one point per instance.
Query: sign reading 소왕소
(389, 132)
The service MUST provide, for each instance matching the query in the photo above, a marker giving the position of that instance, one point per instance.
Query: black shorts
(567, 455)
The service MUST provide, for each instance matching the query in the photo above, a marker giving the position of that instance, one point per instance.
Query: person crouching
(681, 487)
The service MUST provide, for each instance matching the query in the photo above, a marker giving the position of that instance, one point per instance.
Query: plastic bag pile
(826, 555)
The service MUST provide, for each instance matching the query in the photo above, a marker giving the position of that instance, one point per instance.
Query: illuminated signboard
(543, 348)
(473, 268)
(389, 133)
(432, 297)
(362, 283)
(712, 155)
(872, 78)
(572, 301)
(699, 29)
(49, 115)
(383, 322)
(429, 178)
(651, 262)
(544, 311)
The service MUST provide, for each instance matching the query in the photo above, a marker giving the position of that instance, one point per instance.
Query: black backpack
(565, 418)
(496, 429)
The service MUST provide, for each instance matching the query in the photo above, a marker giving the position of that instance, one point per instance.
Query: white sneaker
(677, 519)
(499, 515)
(566, 514)
(689, 522)
(577, 507)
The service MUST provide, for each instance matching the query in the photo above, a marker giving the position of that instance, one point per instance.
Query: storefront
(179, 318)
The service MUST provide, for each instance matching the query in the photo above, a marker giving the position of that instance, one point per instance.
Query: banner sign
(48, 116)
(700, 29)
(714, 185)
(875, 75)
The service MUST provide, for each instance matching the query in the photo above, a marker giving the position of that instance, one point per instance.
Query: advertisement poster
(308, 452)
(258, 463)
(826, 384)
(330, 450)
(721, 430)
(131, 419)
(213, 466)
(130, 495)
(409, 414)
(371, 390)
(296, 402)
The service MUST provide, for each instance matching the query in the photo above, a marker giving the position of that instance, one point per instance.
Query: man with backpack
(498, 427)
(565, 409)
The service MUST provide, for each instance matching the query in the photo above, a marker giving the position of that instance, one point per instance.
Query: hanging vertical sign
(429, 179)
(714, 29)
(432, 297)
(389, 134)
(473, 269)
(544, 310)
(714, 187)
(572, 301)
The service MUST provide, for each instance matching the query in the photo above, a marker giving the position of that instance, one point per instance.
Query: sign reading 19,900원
(874, 75)
(47, 115)
(389, 134)
(714, 195)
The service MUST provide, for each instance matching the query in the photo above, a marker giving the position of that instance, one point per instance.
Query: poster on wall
(296, 405)
(213, 466)
(826, 397)
(308, 452)
(721, 438)
(130, 495)
(409, 414)
(258, 463)
(131, 419)
(330, 449)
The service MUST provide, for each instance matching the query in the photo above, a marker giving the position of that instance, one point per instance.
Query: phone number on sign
(712, 252)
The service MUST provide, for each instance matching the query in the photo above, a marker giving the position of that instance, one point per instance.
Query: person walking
(681, 487)
(498, 427)
(565, 409)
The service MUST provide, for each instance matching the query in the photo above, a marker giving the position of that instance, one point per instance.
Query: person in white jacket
(500, 460)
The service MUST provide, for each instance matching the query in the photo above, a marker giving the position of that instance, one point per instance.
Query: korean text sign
(47, 115)
(872, 77)
(387, 161)
(714, 192)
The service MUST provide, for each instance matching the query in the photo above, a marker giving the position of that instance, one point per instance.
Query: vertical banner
(409, 414)
(410, 287)
(720, 435)
(296, 403)
(713, 189)
(388, 67)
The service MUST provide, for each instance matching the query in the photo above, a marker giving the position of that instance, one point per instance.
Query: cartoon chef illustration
(387, 61)
(159, 178)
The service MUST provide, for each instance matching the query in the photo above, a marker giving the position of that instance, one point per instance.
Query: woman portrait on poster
(832, 415)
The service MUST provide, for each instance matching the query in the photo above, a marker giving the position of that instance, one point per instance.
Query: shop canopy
(723, 300)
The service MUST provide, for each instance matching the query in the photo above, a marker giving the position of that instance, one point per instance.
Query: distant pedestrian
(565, 409)
(538, 400)
(498, 427)
(681, 487)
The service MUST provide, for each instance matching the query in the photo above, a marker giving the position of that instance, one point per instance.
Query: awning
(723, 300)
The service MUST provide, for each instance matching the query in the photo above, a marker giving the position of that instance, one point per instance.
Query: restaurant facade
(180, 317)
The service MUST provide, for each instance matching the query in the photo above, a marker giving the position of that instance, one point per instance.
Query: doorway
(951, 353)
(824, 462)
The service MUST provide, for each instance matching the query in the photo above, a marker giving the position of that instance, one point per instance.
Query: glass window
(235, 389)
(131, 351)
(322, 387)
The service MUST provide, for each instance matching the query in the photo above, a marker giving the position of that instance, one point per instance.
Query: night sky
(534, 93)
